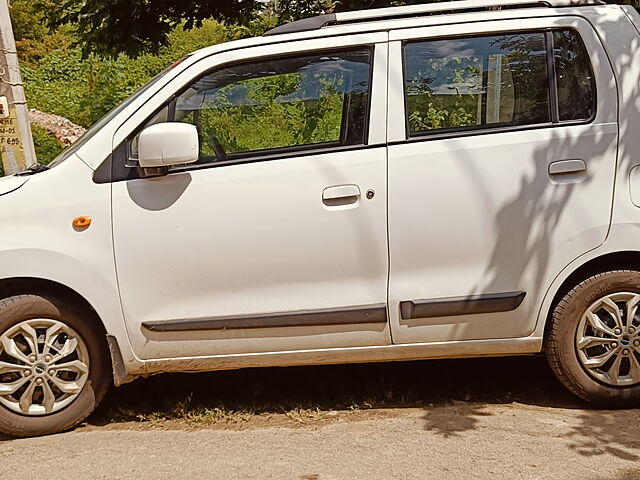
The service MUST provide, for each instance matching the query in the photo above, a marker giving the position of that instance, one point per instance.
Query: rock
(63, 129)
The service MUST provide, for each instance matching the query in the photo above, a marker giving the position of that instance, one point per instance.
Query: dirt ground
(462, 419)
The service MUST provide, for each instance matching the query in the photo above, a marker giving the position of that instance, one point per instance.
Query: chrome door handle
(341, 195)
(565, 167)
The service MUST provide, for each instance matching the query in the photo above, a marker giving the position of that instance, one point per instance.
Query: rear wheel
(593, 339)
(54, 365)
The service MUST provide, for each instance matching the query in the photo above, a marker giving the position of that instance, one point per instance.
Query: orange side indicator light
(81, 222)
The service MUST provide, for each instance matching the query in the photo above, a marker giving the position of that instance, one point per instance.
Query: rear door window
(502, 80)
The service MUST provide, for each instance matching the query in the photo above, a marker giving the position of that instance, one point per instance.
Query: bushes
(47, 146)
(59, 80)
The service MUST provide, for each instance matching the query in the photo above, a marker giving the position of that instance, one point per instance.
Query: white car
(446, 180)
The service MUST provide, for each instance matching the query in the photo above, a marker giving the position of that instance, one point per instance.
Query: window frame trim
(114, 170)
(554, 102)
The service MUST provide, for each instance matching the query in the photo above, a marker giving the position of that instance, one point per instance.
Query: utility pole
(16, 142)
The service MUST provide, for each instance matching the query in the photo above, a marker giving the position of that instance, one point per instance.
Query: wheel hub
(608, 340)
(39, 369)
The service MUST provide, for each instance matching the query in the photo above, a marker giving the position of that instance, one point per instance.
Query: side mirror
(166, 144)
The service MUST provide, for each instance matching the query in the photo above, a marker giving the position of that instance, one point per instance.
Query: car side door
(502, 157)
(275, 239)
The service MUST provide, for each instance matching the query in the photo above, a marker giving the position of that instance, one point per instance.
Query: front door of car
(502, 156)
(275, 240)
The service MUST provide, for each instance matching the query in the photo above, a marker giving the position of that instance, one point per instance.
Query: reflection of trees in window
(576, 90)
(453, 102)
(281, 103)
(471, 82)
(274, 115)
(527, 62)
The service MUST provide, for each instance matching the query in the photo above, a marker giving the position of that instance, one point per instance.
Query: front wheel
(54, 365)
(593, 339)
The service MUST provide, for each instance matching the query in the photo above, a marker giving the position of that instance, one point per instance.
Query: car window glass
(574, 77)
(478, 82)
(315, 100)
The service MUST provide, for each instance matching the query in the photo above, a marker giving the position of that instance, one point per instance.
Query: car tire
(64, 380)
(594, 351)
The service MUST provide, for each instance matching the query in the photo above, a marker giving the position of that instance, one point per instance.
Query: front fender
(98, 289)
(38, 240)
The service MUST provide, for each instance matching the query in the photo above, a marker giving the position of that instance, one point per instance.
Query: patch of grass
(195, 415)
(302, 395)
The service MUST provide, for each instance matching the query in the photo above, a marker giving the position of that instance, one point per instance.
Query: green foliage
(47, 146)
(431, 115)
(108, 27)
(287, 11)
(28, 20)
(59, 80)
(267, 122)
(111, 27)
(635, 3)
(429, 111)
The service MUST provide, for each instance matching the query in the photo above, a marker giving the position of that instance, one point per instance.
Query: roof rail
(315, 23)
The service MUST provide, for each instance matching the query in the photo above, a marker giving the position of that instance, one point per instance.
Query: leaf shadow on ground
(632, 474)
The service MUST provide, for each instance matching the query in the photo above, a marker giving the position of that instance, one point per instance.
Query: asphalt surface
(522, 425)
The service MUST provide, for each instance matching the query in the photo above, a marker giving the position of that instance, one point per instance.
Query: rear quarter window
(574, 77)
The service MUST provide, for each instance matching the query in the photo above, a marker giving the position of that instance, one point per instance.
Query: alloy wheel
(608, 340)
(44, 364)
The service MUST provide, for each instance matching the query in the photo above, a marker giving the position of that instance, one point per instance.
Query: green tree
(29, 19)
(59, 81)
(109, 27)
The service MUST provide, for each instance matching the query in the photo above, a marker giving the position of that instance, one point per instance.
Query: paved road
(518, 423)
(464, 441)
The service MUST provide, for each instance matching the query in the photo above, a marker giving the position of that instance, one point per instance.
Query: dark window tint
(476, 82)
(576, 90)
(320, 99)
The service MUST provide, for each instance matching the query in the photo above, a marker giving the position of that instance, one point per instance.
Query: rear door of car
(503, 141)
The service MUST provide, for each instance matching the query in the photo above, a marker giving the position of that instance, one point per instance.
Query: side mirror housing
(166, 144)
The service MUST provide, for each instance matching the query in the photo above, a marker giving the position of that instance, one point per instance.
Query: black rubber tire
(560, 339)
(18, 308)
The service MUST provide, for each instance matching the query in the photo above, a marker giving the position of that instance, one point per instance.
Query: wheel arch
(621, 260)
(10, 287)
(31, 285)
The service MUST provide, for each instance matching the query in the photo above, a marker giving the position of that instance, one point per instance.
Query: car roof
(384, 19)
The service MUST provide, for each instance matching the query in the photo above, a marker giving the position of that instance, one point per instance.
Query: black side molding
(368, 314)
(452, 306)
